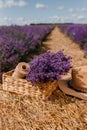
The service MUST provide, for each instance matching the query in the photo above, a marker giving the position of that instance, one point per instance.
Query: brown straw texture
(21, 86)
(61, 112)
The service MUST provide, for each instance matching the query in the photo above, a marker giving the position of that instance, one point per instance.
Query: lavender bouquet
(49, 67)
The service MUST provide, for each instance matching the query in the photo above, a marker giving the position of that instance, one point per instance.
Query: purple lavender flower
(78, 33)
(49, 67)
(18, 41)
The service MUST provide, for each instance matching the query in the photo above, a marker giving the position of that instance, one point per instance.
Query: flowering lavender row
(49, 67)
(78, 33)
(18, 41)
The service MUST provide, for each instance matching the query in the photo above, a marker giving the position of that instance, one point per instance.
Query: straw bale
(60, 112)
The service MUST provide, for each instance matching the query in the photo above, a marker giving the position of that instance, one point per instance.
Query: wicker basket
(21, 86)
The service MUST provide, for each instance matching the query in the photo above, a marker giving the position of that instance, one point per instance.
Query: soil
(60, 112)
(57, 41)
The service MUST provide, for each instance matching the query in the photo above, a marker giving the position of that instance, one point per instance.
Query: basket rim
(10, 72)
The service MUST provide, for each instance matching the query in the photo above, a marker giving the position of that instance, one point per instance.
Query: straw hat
(77, 85)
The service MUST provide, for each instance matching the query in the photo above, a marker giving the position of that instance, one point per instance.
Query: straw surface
(60, 112)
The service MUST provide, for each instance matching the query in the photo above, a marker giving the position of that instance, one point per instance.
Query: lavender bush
(49, 67)
(18, 41)
(78, 33)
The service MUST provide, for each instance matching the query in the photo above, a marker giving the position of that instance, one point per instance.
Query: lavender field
(18, 41)
(78, 33)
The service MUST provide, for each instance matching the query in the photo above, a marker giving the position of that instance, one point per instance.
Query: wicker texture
(21, 86)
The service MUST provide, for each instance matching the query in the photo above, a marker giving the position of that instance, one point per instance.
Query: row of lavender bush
(77, 32)
(18, 41)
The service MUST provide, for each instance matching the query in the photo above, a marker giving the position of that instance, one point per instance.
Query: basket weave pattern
(47, 88)
(21, 86)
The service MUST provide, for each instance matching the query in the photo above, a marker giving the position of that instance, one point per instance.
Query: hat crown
(79, 78)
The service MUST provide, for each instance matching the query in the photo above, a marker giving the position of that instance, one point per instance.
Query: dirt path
(57, 41)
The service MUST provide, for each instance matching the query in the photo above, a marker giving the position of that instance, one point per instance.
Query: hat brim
(64, 86)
